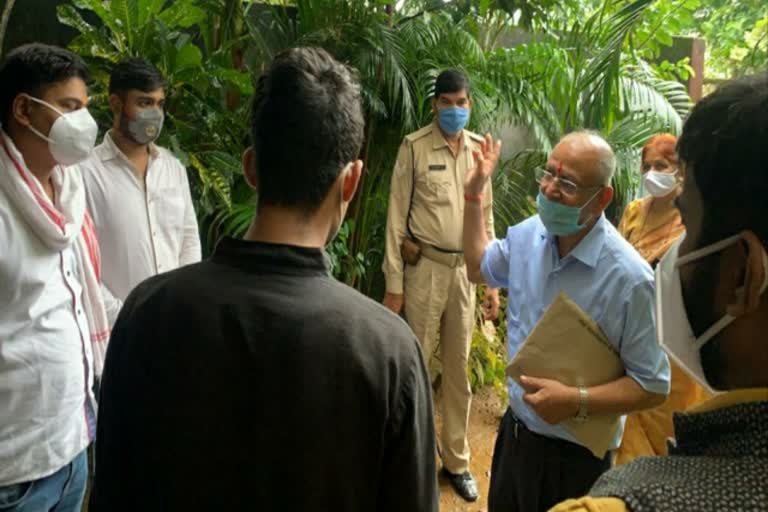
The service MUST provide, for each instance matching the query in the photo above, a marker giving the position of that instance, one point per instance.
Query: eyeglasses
(567, 187)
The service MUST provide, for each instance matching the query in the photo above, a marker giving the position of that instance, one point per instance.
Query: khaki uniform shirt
(427, 166)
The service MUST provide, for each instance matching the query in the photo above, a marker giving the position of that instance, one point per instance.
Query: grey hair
(607, 158)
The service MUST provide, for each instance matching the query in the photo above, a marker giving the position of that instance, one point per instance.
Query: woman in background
(652, 224)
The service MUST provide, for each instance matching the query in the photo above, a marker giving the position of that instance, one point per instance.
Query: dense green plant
(187, 41)
(572, 76)
(737, 34)
(488, 352)
(568, 73)
(580, 76)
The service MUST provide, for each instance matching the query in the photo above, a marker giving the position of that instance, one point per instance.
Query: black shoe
(464, 484)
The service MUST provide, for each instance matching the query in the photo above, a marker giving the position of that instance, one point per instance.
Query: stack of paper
(568, 346)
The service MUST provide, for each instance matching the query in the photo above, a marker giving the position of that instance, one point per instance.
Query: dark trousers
(531, 472)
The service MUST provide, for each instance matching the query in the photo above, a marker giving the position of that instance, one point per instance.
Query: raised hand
(485, 162)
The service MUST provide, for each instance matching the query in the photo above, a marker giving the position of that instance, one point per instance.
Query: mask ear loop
(706, 251)
(42, 102)
(764, 286)
(582, 224)
(35, 130)
(727, 319)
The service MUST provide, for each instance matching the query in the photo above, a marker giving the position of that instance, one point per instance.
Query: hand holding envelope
(552, 400)
(567, 348)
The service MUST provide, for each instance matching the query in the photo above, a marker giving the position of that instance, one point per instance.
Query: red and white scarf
(67, 224)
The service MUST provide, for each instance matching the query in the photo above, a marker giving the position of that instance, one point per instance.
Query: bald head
(589, 154)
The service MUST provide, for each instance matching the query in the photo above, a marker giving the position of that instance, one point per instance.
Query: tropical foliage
(538, 74)
(737, 34)
(195, 45)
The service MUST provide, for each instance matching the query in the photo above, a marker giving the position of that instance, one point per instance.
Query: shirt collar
(272, 258)
(110, 151)
(438, 141)
(589, 249)
(731, 425)
(13, 149)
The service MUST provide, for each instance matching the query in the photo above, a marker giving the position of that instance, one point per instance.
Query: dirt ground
(487, 409)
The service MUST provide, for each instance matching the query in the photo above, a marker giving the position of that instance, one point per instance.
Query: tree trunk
(4, 22)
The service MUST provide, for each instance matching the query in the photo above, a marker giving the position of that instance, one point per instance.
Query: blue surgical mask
(561, 219)
(452, 119)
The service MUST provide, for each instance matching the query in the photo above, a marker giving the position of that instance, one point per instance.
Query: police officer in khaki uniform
(424, 264)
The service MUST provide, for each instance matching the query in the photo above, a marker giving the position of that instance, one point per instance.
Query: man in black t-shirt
(254, 380)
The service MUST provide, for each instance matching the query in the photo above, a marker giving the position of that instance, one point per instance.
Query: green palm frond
(648, 106)
(212, 179)
(633, 132)
(514, 189)
(600, 79)
(626, 179)
(350, 32)
(577, 74)
(520, 100)
(232, 221)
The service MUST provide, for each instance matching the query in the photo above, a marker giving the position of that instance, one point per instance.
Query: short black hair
(31, 68)
(307, 123)
(725, 146)
(135, 74)
(450, 81)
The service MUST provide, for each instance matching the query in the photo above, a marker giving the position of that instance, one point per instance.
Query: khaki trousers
(440, 305)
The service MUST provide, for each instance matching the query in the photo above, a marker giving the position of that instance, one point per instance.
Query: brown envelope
(568, 346)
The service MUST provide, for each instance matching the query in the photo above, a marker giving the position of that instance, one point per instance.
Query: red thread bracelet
(473, 198)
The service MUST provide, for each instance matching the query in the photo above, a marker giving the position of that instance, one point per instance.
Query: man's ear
(20, 110)
(350, 180)
(753, 266)
(606, 196)
(249, 168)
(115, 104)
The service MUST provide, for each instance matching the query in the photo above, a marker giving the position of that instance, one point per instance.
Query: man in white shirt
(53, 324)
(137, 192)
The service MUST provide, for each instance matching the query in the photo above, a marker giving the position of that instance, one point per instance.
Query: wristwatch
(581, 416)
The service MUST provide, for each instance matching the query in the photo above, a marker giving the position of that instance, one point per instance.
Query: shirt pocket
(170, 210)
(438, 187)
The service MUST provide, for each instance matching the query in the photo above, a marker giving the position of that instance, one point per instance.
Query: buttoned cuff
(394, 283)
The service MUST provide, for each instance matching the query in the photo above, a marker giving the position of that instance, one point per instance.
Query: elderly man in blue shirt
(568, 247)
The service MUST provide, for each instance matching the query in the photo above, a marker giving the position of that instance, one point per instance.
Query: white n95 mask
(673, 328)
(659, 184)
(72, 136)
